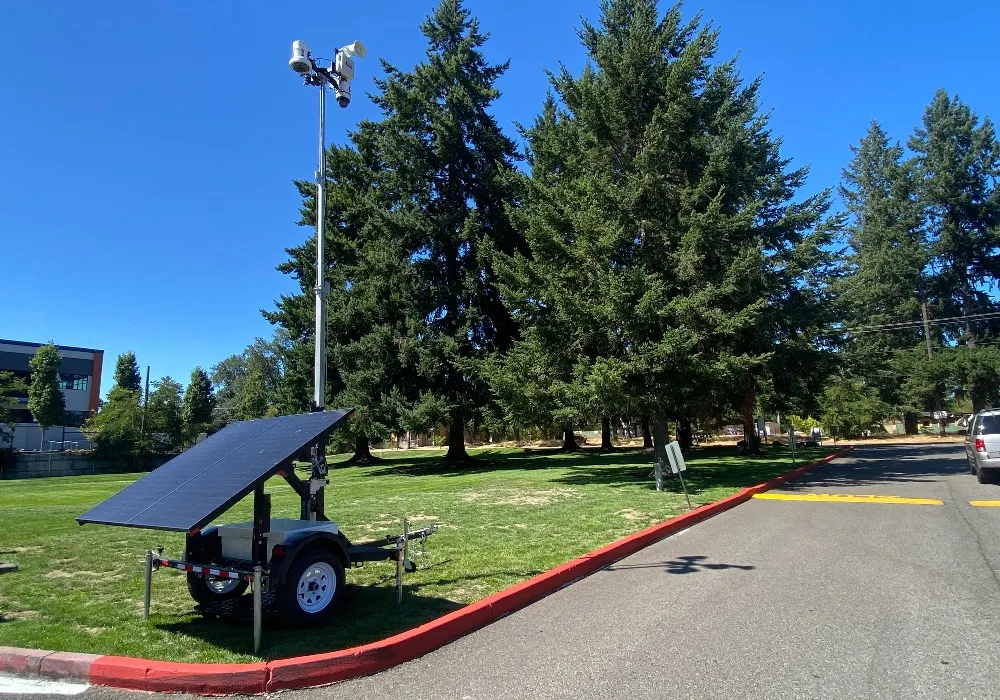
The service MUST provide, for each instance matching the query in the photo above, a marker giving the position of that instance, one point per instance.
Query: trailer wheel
(209, 589)
(313, 588)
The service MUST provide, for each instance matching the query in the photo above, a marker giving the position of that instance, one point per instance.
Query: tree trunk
(661, 436)
(606, 443)
(910, 423)
(569, 441)
(362, 452)
(684, 435)
(456, 441)
(647, 437)
(750, 439)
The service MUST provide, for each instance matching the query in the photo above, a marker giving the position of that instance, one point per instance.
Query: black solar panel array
(197, 486)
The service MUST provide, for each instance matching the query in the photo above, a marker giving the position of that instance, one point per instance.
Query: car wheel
(968, 462)
(983, 475)
(314, 586)
(211, 589)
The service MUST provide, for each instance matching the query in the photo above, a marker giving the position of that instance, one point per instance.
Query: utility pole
(927, 328)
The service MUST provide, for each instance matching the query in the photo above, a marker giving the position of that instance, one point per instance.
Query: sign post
(791, 444)
(677, 466)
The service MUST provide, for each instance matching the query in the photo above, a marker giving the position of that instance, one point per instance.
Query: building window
(76, 382)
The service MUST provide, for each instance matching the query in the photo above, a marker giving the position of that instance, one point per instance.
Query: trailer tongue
(296, 565)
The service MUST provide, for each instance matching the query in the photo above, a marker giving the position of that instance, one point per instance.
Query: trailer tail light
(277, 551)
(980, 445)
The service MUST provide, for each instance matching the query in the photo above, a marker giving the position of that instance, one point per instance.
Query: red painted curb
(331, 667)
(22, 661)
(67, 665)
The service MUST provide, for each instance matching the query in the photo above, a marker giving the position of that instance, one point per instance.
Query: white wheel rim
(316, 587)
(221, 586)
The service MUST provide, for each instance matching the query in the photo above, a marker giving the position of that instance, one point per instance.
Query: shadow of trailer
(295, 567)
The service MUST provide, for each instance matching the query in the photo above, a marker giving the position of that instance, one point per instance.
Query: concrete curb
(331, 667)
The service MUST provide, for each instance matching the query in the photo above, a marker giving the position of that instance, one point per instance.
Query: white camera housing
(299, 62)
(344, 66)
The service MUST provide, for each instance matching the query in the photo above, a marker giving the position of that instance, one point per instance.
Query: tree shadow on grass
(547, 459)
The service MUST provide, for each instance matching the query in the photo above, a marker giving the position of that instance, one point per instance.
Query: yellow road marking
(849, 498)
(985, 504)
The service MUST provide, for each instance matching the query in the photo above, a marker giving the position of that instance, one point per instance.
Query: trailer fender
(298, 542)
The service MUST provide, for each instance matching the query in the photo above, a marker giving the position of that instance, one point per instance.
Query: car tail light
(980, 445)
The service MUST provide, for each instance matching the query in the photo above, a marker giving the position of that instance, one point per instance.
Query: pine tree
(115, 429)
(448, 166)
(127, 372)
(367, 305)
(199, 401)
(45, 400)
(884, 277)
(958, 162)
(693, 271)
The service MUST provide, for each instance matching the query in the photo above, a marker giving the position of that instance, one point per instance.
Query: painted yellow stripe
(985, 504)
(847, 498)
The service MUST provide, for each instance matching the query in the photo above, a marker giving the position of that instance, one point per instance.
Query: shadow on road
(683, 565)
(874, 465)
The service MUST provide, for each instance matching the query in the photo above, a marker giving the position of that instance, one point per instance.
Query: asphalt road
(773, 599)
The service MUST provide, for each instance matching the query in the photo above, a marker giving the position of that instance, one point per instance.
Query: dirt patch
(58, 574)
(95, 631)
(520, 497)
(21, 615)
(632, 515)
(21, 550)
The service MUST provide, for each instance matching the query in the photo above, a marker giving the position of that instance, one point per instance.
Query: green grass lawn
(501, 522)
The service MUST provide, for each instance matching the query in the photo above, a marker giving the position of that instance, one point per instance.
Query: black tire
(983, 476)
(306, 602)
(968, 462)
(208, 589)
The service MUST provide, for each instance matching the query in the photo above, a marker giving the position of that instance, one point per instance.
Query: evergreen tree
(958, 162)
(884, 277)
(367, 331)
(165, 422)
(115, 429)
(447, 166)
(127, 372)
(45, 400)
(694, 272)
(199, 401)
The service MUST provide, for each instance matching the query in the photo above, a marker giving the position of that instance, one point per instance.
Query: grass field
(503, 521)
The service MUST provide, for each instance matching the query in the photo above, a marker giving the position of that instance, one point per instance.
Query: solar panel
(200, 484)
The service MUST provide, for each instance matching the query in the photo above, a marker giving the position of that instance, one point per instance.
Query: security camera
(343, 92)
(299, 62)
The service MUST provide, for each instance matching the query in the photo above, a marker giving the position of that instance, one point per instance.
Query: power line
(906, 325)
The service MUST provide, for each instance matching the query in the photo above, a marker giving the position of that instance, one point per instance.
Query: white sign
(676, 458)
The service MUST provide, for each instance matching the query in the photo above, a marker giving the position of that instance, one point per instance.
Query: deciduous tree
(45, 399)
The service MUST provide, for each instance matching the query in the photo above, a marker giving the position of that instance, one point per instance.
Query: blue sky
(147, 150)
